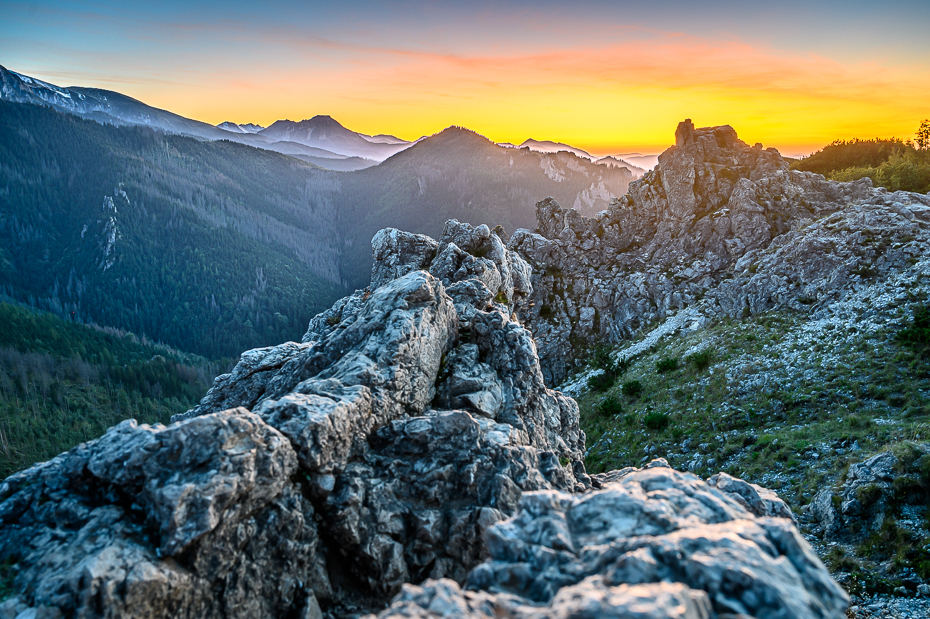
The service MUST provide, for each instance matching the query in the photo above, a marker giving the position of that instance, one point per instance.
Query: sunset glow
(604, 77)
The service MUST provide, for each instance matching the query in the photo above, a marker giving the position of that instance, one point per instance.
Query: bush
(700, 360)
(600, 358)
(632, 388)
(668, 364)
(609, 407)
(601, 382)
(656, 421)
(917, 334)
(867, 495)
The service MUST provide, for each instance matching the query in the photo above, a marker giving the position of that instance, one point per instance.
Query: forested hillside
(63, 383)
(893, 164)
(212, 247)
(217, 247)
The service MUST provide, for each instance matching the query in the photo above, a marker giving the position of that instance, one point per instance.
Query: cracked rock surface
(653, 543)
(410, 445)
(718, 226)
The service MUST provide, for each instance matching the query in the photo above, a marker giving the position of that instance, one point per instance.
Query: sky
(606, 76)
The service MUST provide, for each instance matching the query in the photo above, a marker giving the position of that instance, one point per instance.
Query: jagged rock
(361, 451)
(657, 543)
(397, 253)
(718, 224)
(155, 522)
(861, 505)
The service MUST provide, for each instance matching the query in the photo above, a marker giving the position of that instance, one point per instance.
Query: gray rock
(860, 505)
(656, 543)
(717, 224)
(155, 521)
(397, 253)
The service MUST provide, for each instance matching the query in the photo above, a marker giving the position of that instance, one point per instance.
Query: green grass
(841, 399)
(782, 423)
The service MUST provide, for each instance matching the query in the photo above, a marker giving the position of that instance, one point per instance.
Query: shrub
(700, 360)
(917, 334)
(868, 494)
(609, 407)
(600, 358)
(668, 364)
(632, 388)
(656, 421)
(601, 382)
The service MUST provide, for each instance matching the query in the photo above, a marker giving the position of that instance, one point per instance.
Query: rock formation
(879, 488)
(410, 438)
(682, 548)
(718, 225)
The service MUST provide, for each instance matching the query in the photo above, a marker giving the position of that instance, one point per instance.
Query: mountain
(620, 163)
(458, 173)
(207, 246)
(114, 108)
(383, 138)
(244, 128)
(547, 146)
(326, 133)
(646, 162)
(234, 220)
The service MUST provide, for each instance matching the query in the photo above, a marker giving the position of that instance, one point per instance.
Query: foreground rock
(656, 543)
(328, 472)
(391, 446)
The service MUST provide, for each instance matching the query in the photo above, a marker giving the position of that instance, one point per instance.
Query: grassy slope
(787, 401)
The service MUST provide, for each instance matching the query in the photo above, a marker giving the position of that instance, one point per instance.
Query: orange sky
(606, 82)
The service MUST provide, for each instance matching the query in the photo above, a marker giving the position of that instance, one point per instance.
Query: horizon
(601, 77)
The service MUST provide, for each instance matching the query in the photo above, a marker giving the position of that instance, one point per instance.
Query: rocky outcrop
(409, 438)
(376, 452)
(884, 487)
(655, 543)
(181, 521)
(718, 225)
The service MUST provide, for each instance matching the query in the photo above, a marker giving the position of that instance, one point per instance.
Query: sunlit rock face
(717, 225)
(409, 439)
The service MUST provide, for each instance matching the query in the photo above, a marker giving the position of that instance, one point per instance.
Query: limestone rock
(397, 253)
(860, 506)
(717, 224)
(657, 543)
(155, 521)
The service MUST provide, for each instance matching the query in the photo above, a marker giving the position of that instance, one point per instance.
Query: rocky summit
(407, 457)
(718, 228)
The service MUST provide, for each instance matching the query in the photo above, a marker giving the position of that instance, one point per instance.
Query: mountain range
(320, 140)
(97, 186)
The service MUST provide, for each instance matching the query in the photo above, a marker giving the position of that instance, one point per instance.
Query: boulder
(654, 543)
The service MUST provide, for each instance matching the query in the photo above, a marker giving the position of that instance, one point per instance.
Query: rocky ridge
(719, 228)
(389, 447)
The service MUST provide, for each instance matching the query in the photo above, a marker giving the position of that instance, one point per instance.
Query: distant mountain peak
(240, 128)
